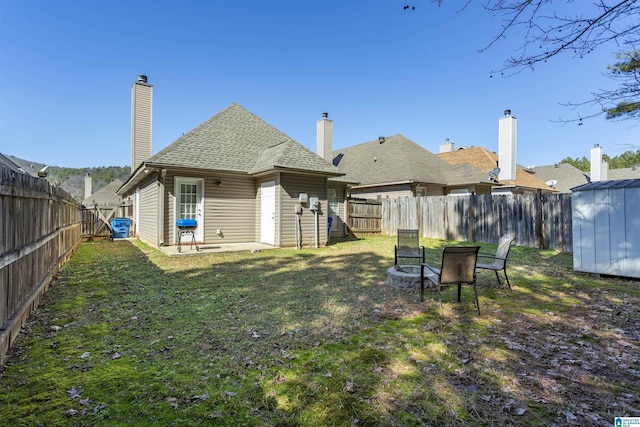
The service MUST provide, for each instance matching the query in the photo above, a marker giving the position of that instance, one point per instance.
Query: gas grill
(187, 226)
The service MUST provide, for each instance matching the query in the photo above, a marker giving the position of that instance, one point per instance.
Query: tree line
(628, 159)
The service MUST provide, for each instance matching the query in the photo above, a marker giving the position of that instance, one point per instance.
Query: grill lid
(185, 222)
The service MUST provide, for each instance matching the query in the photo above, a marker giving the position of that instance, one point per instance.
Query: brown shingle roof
(486, 160)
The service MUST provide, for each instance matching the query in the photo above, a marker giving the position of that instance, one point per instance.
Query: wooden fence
(541, 221)
(364, 216)
(40, 229)
(96, 221)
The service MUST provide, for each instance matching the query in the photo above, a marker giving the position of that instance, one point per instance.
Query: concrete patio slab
(208, 248)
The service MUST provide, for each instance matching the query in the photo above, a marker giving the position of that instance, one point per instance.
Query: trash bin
(329, 222)
(120, 228)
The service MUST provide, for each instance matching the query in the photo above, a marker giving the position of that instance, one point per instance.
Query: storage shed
(606, 227)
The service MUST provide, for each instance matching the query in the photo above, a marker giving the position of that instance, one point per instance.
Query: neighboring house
(565, 177)
(487, 161)
(398, 167)
(105, 197)
(239, 177)
(16, 165)
(561, 176)
(509, 177)
(10, 164)
(624, 173)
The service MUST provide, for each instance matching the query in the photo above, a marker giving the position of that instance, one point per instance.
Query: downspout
(161, 178)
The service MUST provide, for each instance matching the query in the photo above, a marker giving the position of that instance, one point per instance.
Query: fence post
(472, 218)
(539, 219)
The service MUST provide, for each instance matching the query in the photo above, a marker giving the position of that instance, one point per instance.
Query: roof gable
(396, 159)
(485, 160)
(237, 140)
(106, 195)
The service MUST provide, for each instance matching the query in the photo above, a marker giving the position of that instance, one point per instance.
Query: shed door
(268, 213)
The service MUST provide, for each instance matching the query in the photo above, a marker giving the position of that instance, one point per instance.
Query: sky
(67, 67)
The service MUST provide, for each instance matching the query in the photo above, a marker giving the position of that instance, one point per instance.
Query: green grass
(128, 336)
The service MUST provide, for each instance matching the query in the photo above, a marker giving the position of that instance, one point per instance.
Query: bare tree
(549, 28)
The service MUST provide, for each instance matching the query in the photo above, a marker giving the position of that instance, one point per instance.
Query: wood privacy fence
(40, 229)
(364, 216)
(541, 221)
(96, 221)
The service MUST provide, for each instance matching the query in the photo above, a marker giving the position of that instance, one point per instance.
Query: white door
(268, 213)
(334, 207)
(190, 205)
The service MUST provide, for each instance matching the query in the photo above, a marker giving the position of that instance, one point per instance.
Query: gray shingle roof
(624, 173)
(568, 176)
(399, 159)
(237, 140)
(106, 196)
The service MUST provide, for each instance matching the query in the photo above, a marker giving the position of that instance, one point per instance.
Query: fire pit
(405, 277)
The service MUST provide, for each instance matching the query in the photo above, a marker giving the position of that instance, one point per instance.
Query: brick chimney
(141, 121)
(507, 146)
(324, 138)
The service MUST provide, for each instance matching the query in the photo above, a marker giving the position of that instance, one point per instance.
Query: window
(188, 201)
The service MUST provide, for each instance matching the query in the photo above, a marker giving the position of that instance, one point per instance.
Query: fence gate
(364, 216)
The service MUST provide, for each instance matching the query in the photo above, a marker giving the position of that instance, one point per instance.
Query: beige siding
(141, 123)
(435, 190)
(291, 186)
(148, 211)
(382, 192)
(228, 207)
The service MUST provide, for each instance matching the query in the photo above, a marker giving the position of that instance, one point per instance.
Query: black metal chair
(458, 267)
(499, 259)
(408, 246)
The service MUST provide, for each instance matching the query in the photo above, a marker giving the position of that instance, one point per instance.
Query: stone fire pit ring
(405, 277)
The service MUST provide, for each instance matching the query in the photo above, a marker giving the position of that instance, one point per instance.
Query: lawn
(285, 337)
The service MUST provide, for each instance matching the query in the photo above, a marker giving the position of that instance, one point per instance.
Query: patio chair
(499, 259)
(408, 246)
(458, 267)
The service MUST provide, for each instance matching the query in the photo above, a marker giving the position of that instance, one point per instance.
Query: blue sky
(66, 69)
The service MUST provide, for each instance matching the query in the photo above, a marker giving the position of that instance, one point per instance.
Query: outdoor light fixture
(219, 183)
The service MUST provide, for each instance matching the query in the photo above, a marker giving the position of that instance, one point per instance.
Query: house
(564, 177)
(509, 178)
(104, 197)
(561, 176)
(17, 165)
(240, 178)
(398, 167)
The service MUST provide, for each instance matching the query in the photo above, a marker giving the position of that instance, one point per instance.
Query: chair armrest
(480, 255)
(432, 269)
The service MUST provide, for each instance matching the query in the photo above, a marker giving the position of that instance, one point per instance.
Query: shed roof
(605, 185)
